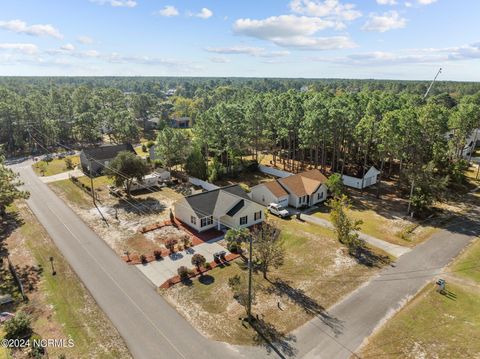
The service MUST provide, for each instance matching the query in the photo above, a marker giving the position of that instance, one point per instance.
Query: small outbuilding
(370, 178)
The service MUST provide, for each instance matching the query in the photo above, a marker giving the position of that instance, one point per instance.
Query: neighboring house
(370, 178)
(471, 141)
(305, 189)
(270, 192)
(181, 122)
(226, 207)
(94, 160)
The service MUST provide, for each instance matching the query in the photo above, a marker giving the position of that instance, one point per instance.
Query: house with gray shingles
(94, 160)
(225, 207)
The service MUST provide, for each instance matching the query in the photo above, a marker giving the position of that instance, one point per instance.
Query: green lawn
(468, 264)
(55, 166)
(71, 193)
(74, 309)
(314, 276)
(432, 325)
(387, 229)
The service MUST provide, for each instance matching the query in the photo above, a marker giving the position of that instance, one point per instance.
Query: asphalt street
(153, 329)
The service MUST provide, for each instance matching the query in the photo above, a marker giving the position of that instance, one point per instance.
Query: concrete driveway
(160, 271)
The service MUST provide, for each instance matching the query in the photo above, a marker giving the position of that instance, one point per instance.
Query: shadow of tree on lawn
(309, 305)
(274, 340)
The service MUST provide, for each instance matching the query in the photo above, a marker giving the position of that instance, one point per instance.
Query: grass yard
(55, 166)
(317, 272)
(468, 264)
(71, 193)
(433, 325)
(60, 305)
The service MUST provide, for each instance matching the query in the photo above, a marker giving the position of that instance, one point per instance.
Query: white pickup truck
(278, 210)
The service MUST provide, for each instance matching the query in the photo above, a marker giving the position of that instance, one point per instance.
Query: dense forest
(336, 125)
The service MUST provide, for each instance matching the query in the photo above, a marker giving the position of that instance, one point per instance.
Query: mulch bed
(175, 280)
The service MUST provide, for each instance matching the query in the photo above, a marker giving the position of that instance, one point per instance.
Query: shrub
(186, 241)
(150, 144)
(144, 148)
(183, 272)
(170, 244)
(37, 350)
(198, 260)
(208, 266)
(157, 254)
(18, 327)
(143, 258)
(233, 247)
(68, 163)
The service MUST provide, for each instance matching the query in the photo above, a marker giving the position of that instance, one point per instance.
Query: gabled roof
(218, 202)
(275, 188)
(108, 151)
(304, 183)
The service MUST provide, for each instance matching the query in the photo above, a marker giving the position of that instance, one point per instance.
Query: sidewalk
(62, 176)
(392, 249)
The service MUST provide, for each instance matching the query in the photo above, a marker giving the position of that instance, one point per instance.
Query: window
(206, 221)
(320, 195)
(257, 215)
(243, 220)
(193, 220)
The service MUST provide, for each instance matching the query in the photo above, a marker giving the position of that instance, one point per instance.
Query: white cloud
(426, 2)
(85, 40)
(387, 2)
(426, 55)
(247, 50)
(204, 13)
(67, 47)
(168, 11)
(220, 60)
(328, 8)
(293, 31)
(21, 27)
(235, 50)
(387, 21)
(116, 3)
(28, 49)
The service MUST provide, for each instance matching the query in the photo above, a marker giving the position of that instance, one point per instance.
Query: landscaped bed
(316, 274)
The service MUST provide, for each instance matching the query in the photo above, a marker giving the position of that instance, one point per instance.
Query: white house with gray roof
(226, 207)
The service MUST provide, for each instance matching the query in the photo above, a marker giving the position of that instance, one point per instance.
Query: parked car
(278, 210)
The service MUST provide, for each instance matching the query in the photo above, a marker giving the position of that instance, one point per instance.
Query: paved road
(352, 320)
(150, 327)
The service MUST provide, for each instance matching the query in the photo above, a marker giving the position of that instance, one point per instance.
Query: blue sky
(397, 39)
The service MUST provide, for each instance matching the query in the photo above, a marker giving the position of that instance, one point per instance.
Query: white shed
(371, 178)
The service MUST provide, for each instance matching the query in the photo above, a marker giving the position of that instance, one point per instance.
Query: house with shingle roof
(225, 207)
(94, 160)
(303, 189)
(270, 192)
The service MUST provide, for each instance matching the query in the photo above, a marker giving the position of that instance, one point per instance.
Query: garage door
(283, 202)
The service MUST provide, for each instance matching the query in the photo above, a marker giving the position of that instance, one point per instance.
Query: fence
(273, 171)
(205, 185)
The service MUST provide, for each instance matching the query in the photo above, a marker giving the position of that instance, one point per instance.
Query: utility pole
(91, 183)
(249, 304)
(424, 97)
